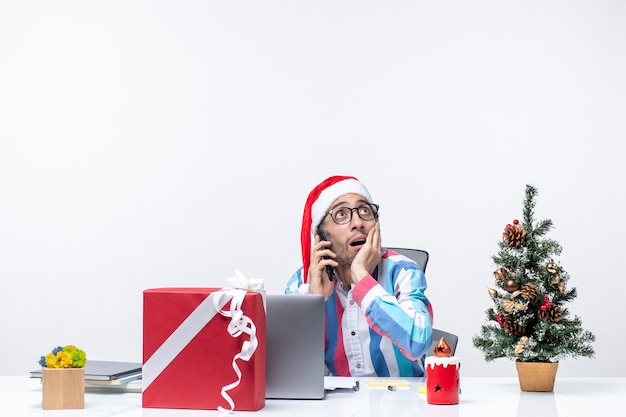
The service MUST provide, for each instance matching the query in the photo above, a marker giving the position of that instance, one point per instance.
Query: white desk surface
(480, 397)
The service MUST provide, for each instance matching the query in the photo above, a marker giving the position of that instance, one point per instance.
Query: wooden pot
(63, 388)
(536, 376)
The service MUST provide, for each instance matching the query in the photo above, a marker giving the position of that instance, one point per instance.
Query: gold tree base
(63, 388)
(536, 376)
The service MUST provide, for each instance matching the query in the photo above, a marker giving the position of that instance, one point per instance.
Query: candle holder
(442, 376)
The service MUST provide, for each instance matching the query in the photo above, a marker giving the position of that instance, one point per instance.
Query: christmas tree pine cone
(63, 388)
(536, 376)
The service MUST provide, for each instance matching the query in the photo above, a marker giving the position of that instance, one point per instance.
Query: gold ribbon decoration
(509, 305)
(500, 274)
(519, 348)
(552, 267)
(559, 284)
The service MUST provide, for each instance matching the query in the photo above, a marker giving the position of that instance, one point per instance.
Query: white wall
(168, 143)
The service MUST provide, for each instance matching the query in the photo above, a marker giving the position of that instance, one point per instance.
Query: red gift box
(188, 352)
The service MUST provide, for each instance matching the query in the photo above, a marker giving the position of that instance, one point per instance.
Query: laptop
(295, 347)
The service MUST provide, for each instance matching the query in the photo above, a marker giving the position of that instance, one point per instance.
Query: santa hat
(317, 204)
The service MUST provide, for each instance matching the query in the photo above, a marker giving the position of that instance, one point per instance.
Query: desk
(480, 397)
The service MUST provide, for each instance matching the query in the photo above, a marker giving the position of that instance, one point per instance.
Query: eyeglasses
(343, 215)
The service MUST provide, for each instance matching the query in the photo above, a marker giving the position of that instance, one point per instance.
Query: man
(378, 320)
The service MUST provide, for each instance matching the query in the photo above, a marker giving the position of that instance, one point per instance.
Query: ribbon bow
(240, 281)
(239, 324)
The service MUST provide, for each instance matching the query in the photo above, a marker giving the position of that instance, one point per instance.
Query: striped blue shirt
(380, 327)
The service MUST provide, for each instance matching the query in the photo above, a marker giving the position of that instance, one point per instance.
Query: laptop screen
(295, 346)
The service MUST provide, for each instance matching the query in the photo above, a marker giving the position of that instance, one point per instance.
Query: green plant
(64, 357)
(529, 320)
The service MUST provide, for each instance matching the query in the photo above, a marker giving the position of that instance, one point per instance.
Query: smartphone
(329, 269)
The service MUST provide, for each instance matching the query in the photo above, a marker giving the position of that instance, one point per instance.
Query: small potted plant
(529, 321)
(63, 378)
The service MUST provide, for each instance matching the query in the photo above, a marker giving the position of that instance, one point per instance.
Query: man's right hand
(321, 257)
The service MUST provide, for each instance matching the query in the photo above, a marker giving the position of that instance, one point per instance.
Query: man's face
(347, 239)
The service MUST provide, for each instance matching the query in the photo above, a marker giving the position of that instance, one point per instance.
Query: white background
(168, 143)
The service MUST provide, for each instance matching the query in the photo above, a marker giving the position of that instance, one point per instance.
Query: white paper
(334, 382)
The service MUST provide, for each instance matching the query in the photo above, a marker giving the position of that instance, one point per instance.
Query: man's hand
(369, 255)
(321, 257)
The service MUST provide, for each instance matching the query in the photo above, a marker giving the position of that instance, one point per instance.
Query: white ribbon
(239, 324)
(189, 328)
(240, 281)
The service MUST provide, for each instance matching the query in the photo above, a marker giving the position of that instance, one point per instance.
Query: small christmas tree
(529, 321)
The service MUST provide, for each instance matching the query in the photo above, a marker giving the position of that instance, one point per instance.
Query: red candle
(442, 376)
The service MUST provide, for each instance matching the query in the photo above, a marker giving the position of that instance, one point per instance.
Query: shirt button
(358, 366)
(352, 332)
(351, 302)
